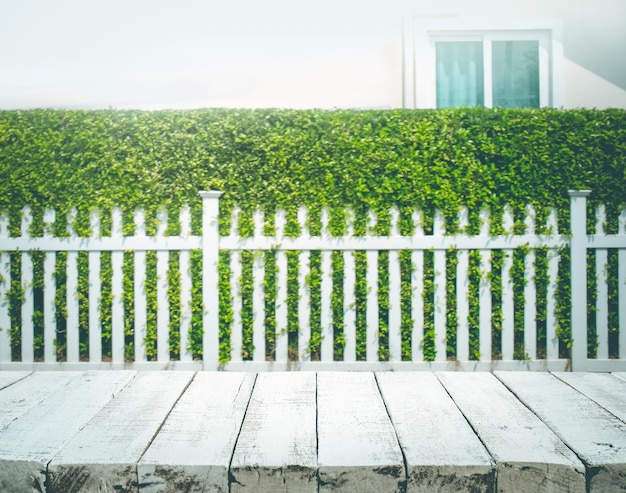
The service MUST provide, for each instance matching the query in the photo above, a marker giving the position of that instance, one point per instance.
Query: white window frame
(427, 32)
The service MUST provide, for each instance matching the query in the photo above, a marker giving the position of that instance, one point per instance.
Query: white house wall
(273, 53)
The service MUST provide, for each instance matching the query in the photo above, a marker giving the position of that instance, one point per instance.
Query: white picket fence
(211, 244)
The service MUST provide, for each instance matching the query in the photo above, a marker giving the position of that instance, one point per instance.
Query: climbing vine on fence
(358, 160)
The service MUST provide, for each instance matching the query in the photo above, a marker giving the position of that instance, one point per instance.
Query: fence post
(578, 249)
(210, 279)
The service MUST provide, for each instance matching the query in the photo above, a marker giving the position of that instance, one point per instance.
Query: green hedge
(429, 159)
(363, 160)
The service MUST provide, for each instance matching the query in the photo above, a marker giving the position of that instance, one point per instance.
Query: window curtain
(459, 74)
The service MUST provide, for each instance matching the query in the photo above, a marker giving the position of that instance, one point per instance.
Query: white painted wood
(193, 449)
(441, 451)
(508, 313)
(326, 294)
(321, 366)
(578, 249)
(602, 291)
(5, 286)
(8, 378)
(357, 447)
(104, 454)
(304, 301)
(440, 301)
(349, 295)
(162, 287)
(530, 291)
(395, 305)
(276, 449)
(417, 293)
(27, 287)
(236, 328)
(71, 299)
(140, 302)
(552, 340)
(210, 278)
(184, 259)
(30, 442)
(484, 301)
(462, 294)
(258, 294)
(595, 435)
(227, 243)
(621, 375)
(49, 292)
(606, 390)
(117, 292)
(282, 336)
(528, 455)
(484, 293)
(95, 290)
(621, 272)
(371, 310)
(19, 398)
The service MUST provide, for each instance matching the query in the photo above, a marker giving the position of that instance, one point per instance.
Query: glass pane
(459, 74)
(515, 74)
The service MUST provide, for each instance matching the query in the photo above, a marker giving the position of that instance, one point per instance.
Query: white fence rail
(438, 244)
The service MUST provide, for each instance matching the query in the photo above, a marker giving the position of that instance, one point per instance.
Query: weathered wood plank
(528, 455)
(193, 449)
(441, 451)
(276, 449)
(10, 377)
(29, 392)
(30, 442)
(104, 454)
(358, 450)
(606, 390)
(597, 437)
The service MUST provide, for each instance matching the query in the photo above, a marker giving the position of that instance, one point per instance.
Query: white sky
(195, 53)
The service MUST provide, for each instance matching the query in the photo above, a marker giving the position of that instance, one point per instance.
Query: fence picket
(530, 291)
(28, 328)
(304, 295)
(282, 346)
(258, 293)
(395, 314)
(621, 273)
(140, 290)
(49, 292)
(552, 340)
(371, 316)
(440, 297)
(326, 288)
(72, 339)
(117, 292)
(417, 292)
(236, 334)
(95, 290)
(5, 286)
(508, 308)
(184, 262)
(349, 295)
(484, 294)
(163, 311)
(462, 294)
(602, 292)
(578, 220)
(38, 335)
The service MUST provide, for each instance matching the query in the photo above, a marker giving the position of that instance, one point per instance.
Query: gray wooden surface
(169, 431)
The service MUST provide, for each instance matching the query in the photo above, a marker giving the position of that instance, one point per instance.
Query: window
(476, 64)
